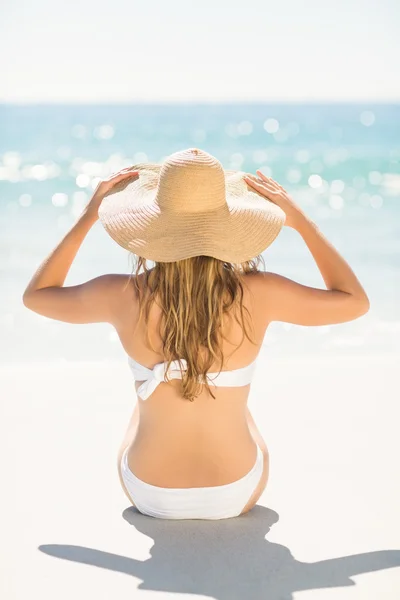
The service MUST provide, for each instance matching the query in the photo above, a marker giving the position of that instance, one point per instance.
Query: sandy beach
(327, 526)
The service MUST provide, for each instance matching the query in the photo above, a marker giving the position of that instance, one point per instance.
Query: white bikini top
(153, 377)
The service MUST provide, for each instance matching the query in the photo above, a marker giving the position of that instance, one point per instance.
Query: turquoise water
(341, 163)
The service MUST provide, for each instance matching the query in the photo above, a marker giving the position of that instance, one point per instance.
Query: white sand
(327, 526)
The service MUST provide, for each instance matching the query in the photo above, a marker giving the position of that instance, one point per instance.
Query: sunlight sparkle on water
(39, 172)
(367, 118)
(337, 186)
(11, 159)
(391, 183)
(336, 202)
(25, 200)
(95, 182)
(376, 201)
(9, 174)
(82, 180)
(314, 181)
(271, 125)
(374, 177)
(59, 199)
(245, 128)
(104, 132)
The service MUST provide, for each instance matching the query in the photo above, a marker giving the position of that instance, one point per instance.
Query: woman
(192, 326)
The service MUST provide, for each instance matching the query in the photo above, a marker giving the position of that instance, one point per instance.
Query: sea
(341, 163)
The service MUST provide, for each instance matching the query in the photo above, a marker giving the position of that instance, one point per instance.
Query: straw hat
(190, 206)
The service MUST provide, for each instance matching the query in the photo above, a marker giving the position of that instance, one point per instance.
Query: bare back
(170, 441)
(177, 443)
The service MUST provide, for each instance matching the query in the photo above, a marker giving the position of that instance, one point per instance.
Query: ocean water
(340, 162)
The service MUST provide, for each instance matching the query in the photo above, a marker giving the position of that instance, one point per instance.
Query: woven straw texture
(190, 206)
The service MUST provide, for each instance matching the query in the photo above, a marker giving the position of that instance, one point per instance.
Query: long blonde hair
(193, 295)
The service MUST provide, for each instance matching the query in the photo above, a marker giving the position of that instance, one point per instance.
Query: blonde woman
(192, 325)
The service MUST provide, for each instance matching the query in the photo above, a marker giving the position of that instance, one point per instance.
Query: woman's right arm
(286, 300)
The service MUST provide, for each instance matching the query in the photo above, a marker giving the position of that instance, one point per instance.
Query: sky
(205, 50)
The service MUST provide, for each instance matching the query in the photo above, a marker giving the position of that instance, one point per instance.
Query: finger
(257, 183)
(278, 185)
(261, 174)
(268, 180)
(129, 170)
(271, 181)
(254, 179)
(121, 175)
(263, 189)
(126, 172)
(266, 177)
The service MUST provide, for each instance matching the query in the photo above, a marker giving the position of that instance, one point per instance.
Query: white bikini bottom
(214, 502)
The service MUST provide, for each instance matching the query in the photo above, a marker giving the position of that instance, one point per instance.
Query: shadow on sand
(229, 559)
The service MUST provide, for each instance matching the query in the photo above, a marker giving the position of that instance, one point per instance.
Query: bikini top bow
(153, 377)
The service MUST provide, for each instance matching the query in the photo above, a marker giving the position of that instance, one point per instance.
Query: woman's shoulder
(119, 287)
(255, 279)
(118, 282)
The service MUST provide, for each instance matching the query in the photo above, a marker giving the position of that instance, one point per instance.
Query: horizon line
(382, 102)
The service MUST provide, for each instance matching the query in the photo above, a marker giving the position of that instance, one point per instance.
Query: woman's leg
(128, 439)
(265, 474)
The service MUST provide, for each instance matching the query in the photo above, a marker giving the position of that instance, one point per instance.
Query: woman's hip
(211, 502)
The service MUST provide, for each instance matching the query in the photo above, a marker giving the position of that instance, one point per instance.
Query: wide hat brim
(236, 232)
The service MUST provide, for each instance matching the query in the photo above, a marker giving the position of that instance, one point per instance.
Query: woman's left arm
(91, 302)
